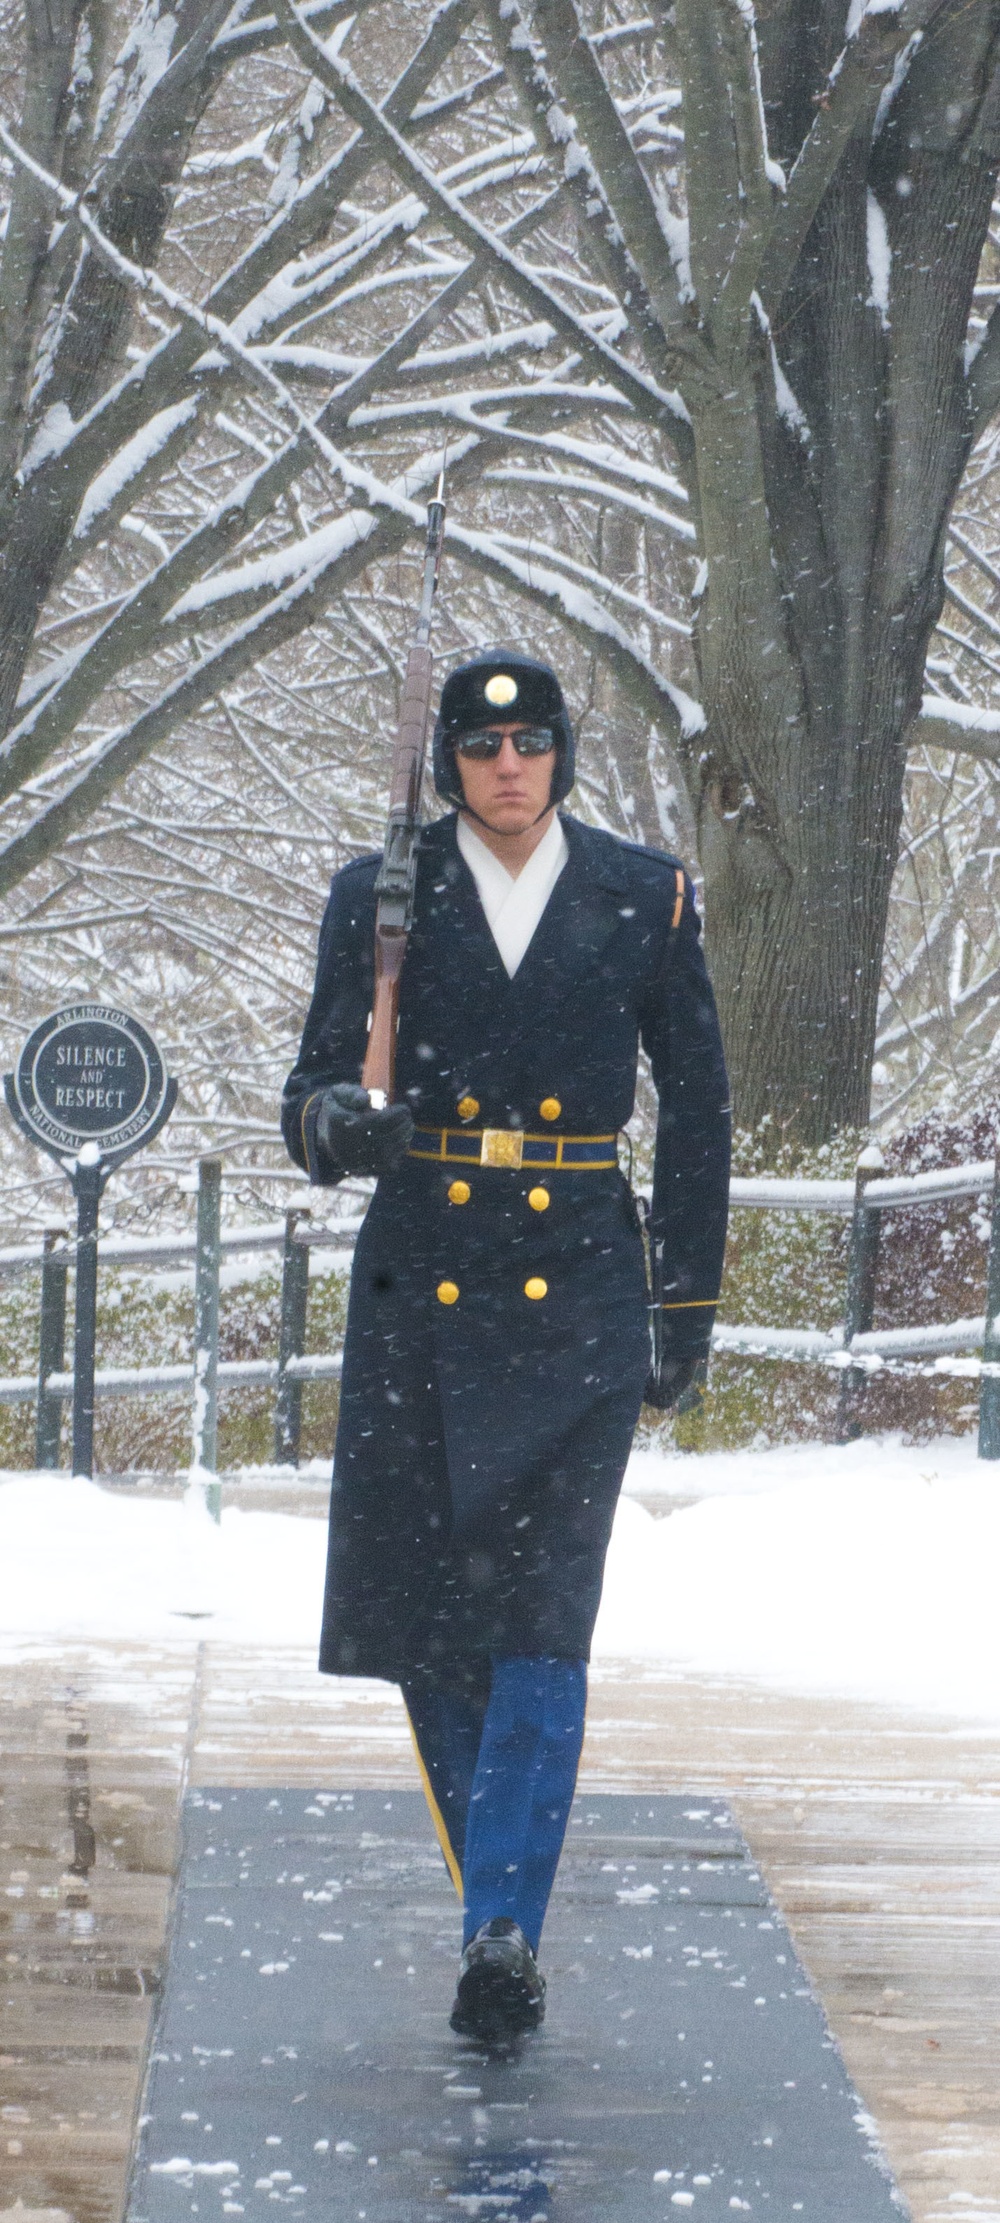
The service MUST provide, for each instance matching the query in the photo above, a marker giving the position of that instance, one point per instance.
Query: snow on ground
(867, 1570)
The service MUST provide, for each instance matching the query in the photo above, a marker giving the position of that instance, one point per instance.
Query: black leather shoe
(500, 1992)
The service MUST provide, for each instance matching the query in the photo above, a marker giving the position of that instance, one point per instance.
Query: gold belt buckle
(502, 1146)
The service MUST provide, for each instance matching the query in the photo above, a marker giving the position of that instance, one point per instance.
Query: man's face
(508, 792)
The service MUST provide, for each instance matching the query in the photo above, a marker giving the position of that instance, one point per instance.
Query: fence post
(206, 1328)
(989, 1389)
(51, 1347)
(89, 1178)
(859, 1307)
(291, 1341)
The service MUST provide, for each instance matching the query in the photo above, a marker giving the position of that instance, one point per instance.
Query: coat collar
(465, 948)
(593, 857)
(582, 913)
(597, 856)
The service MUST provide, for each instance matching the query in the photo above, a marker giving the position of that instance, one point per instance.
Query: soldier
(497, 1347)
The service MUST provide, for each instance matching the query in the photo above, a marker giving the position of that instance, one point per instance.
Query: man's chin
(508, 821)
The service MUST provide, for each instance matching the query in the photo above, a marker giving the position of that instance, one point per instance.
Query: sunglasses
(488, 742)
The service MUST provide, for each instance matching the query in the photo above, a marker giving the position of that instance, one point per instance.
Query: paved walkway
(879, 1833)
(313, 2064)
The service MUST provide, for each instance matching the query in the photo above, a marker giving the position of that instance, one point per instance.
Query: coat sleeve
(335, 1034)
(679, 1028)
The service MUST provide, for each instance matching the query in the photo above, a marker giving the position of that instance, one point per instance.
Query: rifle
(396, 884)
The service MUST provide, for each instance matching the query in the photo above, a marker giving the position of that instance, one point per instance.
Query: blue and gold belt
(512, 1148)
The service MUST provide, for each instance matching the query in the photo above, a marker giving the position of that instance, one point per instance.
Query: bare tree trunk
(824, 487)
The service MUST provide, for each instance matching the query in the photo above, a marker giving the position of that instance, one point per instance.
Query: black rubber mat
(303, 2057)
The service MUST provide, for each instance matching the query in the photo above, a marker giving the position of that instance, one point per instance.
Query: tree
(837, 200)
(690, 297)
(83, 445)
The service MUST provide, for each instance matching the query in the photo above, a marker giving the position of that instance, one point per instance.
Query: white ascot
(514, 905)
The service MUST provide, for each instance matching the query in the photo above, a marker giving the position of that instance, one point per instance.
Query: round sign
(90, 1074)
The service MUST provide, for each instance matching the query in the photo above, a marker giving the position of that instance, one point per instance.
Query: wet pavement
(302, 2053)
(878, 1832)
(88, 1839)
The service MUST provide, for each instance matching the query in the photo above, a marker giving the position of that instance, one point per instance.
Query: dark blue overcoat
(482, 1440)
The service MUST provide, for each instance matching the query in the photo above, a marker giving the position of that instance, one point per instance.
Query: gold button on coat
(539, 1199)
(459, 1192)
(447, 1292)
(550, 1107)
(536, 1287)
(468, 1107)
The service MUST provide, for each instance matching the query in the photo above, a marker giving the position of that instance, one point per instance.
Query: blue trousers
(499, 1770)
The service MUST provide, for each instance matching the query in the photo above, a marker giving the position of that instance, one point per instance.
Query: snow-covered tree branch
(691, 296)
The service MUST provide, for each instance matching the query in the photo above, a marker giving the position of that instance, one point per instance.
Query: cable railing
(967, 1348)
(295, 1237)
(957, 1349)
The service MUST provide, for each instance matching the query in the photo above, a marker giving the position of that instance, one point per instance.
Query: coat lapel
(464, 948)
(461, 957)
(582, 913)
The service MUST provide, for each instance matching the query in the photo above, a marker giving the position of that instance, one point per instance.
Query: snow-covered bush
(145, 1322)
(788, 1269)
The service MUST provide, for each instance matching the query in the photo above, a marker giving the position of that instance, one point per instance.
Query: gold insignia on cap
(500, 690)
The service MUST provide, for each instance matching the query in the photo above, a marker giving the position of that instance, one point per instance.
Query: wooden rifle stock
(379, 1069)
(396, 883)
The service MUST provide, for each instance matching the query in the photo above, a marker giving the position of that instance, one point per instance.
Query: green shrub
(789, 1269)
(149, 1321)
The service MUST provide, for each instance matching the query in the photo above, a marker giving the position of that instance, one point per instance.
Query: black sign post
(90, 1087)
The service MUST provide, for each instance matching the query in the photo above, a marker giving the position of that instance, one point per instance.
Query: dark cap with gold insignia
(497, 685)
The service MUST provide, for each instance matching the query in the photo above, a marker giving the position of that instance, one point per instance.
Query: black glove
(679, 1376)
(354, 1138)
